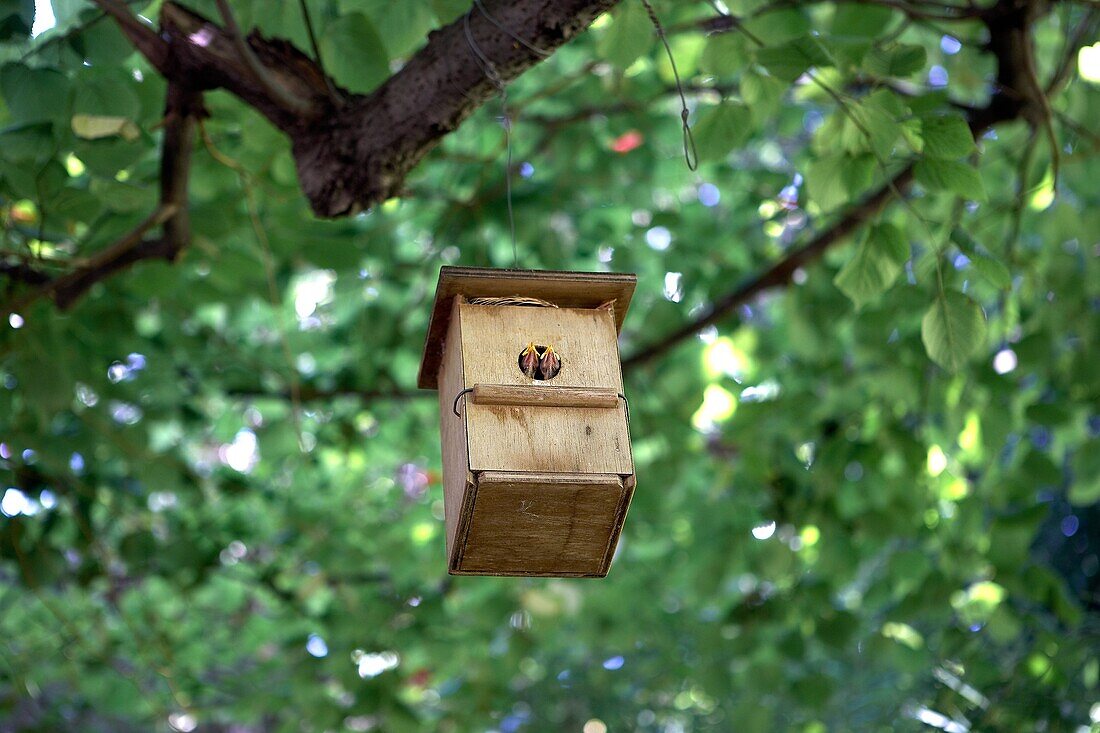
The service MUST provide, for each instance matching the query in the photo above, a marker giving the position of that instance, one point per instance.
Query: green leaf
(123, 197)
(953, 330)
(779, 25)
(102, 44)
(858, 20)
(946, 136)
(354, 54)
(401, 32)
(1085, 488)
(447, 11)
(833, 180)
(721, 129)
(857, 173)
(876, 264)
(67, 12)
(31, 142)
(910, 132)
(763, 94)
(902, 59)
(825, 181)
(992, 270)
(724, 55)
(35, 95)
(630, 35)
(790, 60)
(33, 181)
(16, 18)
(868, 125)
(94, 127)
(950, 175)
(109, 96)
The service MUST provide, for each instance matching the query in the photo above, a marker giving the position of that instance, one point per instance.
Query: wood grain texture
(565, 289)
(542, 524)
(548, 439)
(540, 396)
(456, 463)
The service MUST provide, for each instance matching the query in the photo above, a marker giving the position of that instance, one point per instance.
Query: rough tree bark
(354, 151)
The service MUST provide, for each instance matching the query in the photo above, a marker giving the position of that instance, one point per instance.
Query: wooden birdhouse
(537, 469)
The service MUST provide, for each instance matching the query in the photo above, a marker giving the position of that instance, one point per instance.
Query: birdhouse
(537, 469)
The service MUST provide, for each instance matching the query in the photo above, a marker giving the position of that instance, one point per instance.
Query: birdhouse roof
(563, 289)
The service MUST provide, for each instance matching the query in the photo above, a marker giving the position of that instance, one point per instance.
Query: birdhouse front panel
(531, 437)
(537, 469)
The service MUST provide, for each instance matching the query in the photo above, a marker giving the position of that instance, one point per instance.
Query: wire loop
(691, 155)
(454, 407)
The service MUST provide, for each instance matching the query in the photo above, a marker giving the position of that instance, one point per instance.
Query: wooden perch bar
(534, 395)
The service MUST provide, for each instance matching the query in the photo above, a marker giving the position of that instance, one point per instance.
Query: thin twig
(274, 295)
(183, 107)
(780, 273)
(1003, 106)
(336, 98)
(258, 70)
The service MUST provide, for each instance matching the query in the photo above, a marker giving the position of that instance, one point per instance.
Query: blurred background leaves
(868, 501)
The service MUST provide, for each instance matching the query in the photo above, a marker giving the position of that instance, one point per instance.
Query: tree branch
(1086, 29)
(182, 110)
(259, 71)
(355, 155)
(24, 273)
(1009, 23)
(780, 273)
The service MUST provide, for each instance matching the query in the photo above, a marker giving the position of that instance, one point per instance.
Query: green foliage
(356, 55)
(870, 492)
(721, 129)
(902, 59)
(953, 330)
(947, 136)
(961, 179)
(630, 35)
(876, 264)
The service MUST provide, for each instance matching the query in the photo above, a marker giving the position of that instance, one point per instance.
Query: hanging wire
(317, 52)
(691, 155)
(493, 76)
(507, 31)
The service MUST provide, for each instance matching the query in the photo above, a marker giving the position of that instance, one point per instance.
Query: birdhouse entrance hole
(538, 371)
(537, 466)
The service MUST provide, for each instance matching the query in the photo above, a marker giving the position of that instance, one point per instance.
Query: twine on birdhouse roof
(512, 300)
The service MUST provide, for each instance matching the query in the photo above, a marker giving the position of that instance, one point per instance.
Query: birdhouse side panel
(535, 437)
(456, 463)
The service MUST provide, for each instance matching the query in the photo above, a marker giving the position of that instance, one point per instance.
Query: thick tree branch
(354, 155)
